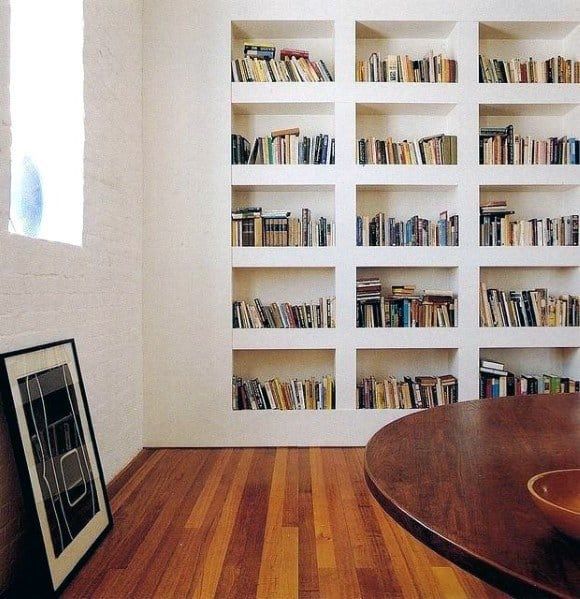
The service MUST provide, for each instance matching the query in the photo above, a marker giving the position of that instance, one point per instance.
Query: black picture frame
(65, 496)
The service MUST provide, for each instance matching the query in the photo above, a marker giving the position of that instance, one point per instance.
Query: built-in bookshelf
(350, 110)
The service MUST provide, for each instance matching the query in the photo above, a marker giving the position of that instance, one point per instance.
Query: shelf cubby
(558, 280)
(405, 121)
(536, 360)
(292, 198)
(414, 38)
(411, 362)
(283, 363)
(508, 40)
(537, 120)
(534, 201)
(293, 285)
(402, 202)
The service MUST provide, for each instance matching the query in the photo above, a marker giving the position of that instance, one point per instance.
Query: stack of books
(252, 227)
(497, 228)
(390, 393)
(499, 145)
(405, 307)
(496, 381)
(318, 314)
(397, 68)
(260, 65)
(284, 146)
(437, 149)
(383, 231)
(522, 70)
(274, 394)
(533, 308)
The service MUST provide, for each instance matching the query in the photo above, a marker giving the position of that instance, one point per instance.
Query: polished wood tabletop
(455, 477)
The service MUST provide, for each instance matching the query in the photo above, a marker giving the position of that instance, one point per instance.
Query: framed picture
(60, 471)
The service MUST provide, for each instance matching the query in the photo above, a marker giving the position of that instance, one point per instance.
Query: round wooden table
(455, 477)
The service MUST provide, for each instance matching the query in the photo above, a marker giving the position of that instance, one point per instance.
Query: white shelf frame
(467, 176)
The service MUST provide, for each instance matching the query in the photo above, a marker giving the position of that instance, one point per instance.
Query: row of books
(527, 308)
(257, 70)
(252, 227)
(499, 145)
(422, 392)
(496, 381)
(382, 231)
(284, 147)
(404, 307)
(522, 70)
(294, 65)
(497, 228)
(399, 68)
(256, 315)
(437, 149)
(274, 394)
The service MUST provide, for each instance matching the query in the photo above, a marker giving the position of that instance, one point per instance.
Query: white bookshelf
(350, 110)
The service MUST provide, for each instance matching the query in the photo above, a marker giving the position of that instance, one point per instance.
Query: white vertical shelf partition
(468, 340)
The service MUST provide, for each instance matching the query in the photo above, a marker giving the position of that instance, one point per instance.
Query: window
(47, 111)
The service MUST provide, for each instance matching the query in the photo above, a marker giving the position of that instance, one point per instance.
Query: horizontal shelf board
(529, 174)
(286, 174)
(529, 256)
(397, 174)
(407, 256)
(279, 93)
(284, 338)
(397, 338)
(296, 257)
(527, 94)
(536, 337)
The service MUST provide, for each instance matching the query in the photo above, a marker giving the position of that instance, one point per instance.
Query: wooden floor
(280, 523)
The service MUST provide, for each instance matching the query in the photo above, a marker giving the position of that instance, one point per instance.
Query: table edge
(491, 572)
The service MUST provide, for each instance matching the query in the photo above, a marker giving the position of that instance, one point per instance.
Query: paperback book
(437, 149)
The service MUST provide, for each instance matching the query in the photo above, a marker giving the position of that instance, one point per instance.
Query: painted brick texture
(52, 291)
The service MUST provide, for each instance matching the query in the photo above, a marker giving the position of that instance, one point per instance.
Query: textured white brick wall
(51, 291)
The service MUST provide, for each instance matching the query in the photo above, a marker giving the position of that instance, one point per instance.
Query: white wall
(187, 276)
(51, 291)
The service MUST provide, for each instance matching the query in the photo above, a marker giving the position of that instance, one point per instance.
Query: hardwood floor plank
(189, 557)
(308, 582)
(207, 495)
(346, 572)
(239, 576)
(205, 586)
(245, 523)
(449, 585)
(272, 567)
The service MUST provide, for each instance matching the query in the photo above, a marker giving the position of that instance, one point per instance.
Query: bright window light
(47, 111)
